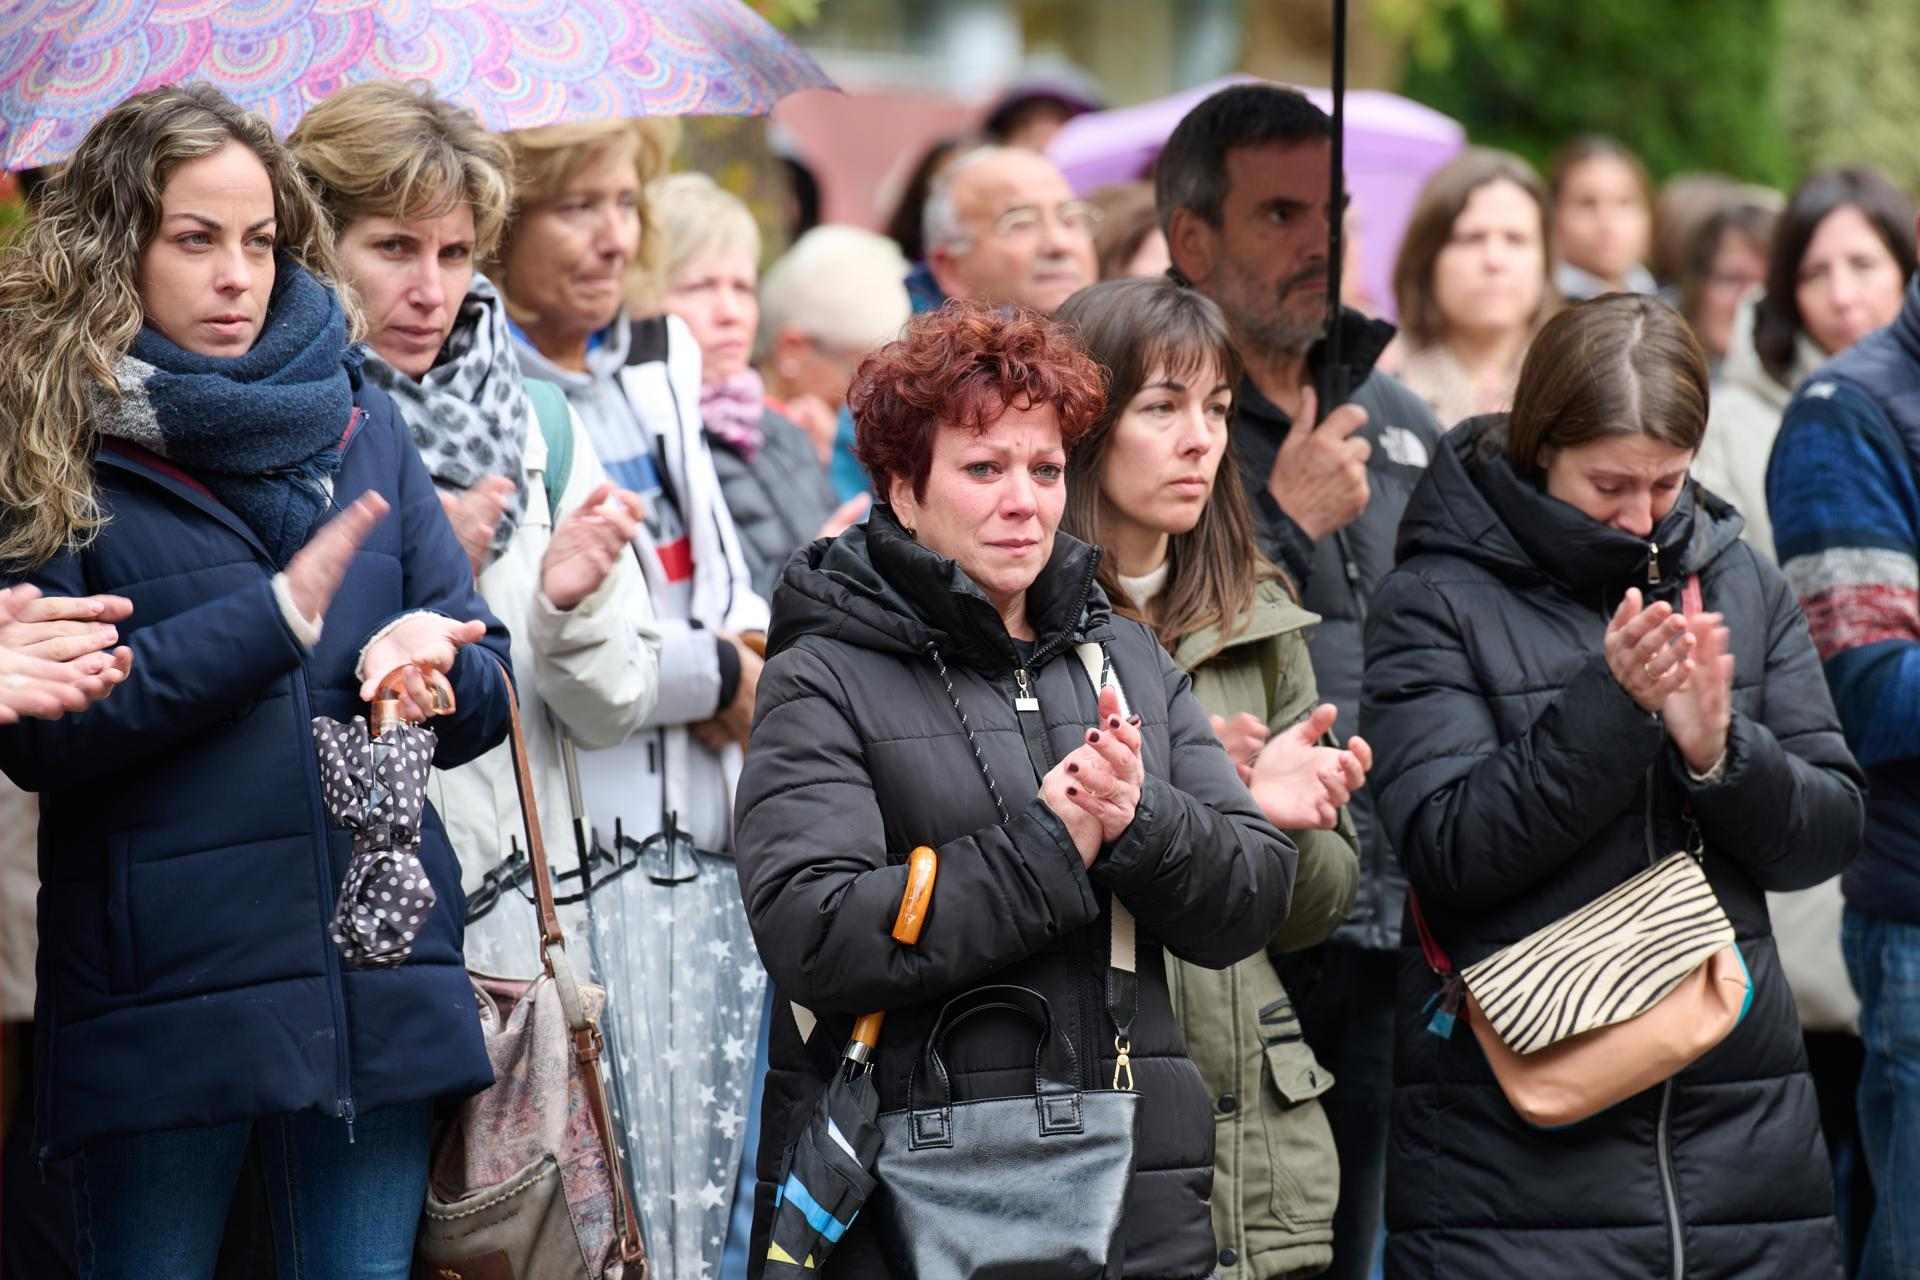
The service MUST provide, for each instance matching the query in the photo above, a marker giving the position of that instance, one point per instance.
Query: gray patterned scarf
(469, 414)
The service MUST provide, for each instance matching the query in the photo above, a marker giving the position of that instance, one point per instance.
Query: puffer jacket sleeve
(181, 682)
(1789, 806)
(597, 665)
(1200, 867)
(1477, 823)
(1329, 872)
(821, 894)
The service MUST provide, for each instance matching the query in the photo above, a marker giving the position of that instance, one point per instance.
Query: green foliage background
(1849, 84)
(1689, 84)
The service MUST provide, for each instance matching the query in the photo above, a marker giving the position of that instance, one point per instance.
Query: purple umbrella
(517, 63)
(1392, 145)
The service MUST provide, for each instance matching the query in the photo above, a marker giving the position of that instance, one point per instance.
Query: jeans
(1344, 996)
(1883, 959)
(153, 1206)
(36, 1202)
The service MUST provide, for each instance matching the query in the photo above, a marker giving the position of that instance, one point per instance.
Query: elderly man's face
(1266, 263)
(1030, 242)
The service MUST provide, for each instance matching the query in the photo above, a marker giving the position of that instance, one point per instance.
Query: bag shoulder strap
(1436, 955)
(1123, 982)
(556, 425)
(588, 1044)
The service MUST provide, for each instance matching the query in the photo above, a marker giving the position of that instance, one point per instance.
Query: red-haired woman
(925, 685)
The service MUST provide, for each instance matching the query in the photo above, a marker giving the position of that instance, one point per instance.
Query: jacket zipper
(1663, 1140)
(1026, 707)
(1653, 561)
(1664, 1146)
(336, 982)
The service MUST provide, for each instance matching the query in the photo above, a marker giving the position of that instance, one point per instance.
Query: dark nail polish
(1113, 722)
(1073, 791)
(1134, 721)
(1093, 735)
(1073, 768)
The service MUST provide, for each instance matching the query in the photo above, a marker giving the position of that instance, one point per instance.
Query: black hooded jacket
(1519, 781)
(859, 754)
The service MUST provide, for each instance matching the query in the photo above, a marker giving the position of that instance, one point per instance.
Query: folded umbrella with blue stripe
(830, 1172)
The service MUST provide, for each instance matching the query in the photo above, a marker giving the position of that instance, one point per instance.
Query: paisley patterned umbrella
(517, 63)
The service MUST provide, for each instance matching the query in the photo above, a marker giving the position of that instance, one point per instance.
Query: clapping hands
(1301, 784)
(55, 655)
(1096, 788)
(1678, 667)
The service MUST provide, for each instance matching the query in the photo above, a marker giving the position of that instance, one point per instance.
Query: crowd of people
(1607, 550)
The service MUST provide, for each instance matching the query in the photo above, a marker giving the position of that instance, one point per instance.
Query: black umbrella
(829, 1174)
(1333, 393)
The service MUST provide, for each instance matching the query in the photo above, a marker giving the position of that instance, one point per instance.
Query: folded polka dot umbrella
(517, 63)
(376, 786)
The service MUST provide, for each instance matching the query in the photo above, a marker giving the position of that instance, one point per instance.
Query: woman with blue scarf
(183, 423)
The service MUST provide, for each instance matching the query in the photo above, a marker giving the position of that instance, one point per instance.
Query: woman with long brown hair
(1474, 283)
(1178, 553)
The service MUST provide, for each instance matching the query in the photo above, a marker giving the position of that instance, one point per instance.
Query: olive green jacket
(1276, 1177)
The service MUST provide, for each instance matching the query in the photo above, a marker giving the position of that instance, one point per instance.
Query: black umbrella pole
(1333, 389)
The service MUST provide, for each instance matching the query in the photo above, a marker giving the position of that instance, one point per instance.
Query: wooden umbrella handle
(923, 868)
(386, 697)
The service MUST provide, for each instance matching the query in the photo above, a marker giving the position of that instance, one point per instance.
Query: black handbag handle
(1056, 1071)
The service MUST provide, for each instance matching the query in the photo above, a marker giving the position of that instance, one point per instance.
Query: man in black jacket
(1244, 195)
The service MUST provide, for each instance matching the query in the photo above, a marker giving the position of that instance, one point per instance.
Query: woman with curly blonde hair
(210, 975)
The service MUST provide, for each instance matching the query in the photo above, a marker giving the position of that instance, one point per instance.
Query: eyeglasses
(1023, 222)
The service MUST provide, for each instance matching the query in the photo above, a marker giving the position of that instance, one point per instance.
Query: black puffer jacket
(1519, 781)
(858, 755)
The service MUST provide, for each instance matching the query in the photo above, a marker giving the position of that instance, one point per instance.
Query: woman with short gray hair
(775, 489)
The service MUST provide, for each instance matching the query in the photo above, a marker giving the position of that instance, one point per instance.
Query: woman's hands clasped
(1679, 668)
(1096, 788)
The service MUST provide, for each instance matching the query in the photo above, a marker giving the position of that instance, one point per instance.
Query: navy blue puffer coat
(186, 976)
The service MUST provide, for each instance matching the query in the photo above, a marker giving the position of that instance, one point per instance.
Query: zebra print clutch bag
(1611, 960)
(1612, 999)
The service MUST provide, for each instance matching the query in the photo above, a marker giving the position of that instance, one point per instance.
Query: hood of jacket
(876, 587)
(1472, 504)
(1742, 367)
(1275, 612)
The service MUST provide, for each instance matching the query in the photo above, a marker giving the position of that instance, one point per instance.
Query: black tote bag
(1031, 1186)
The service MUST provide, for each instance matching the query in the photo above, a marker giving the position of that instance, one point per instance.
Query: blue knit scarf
(261, 430)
